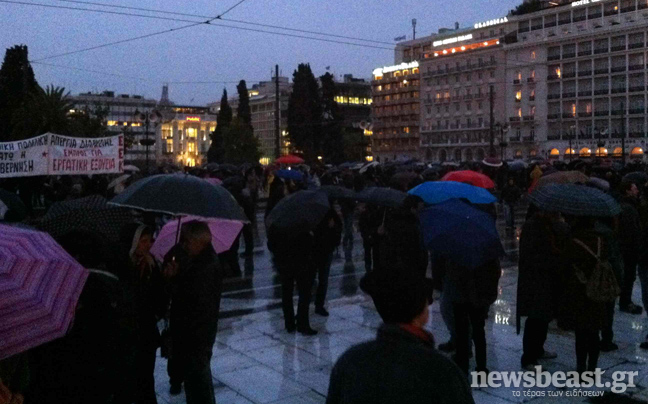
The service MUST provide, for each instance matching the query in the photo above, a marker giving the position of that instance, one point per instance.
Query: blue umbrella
(290, 175)
(441, 191)
(575, 200)
(461, 233)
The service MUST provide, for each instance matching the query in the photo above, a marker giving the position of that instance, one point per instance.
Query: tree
(333, 147)
(528, 6)
(243, 112)
(17, 85)
(223, 120)
(239, 143)
(305, 113)
(91, 122)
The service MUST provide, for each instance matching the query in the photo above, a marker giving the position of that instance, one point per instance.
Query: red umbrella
(289, 159)
(470, 177)
(40, 285)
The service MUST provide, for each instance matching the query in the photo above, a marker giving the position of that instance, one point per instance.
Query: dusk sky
(210, 53)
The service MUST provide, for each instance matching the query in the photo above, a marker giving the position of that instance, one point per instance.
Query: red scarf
(418, 332)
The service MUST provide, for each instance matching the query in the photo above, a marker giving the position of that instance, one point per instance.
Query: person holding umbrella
(196, 278)
(630, 240)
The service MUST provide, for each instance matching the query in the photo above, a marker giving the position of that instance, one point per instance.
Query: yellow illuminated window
(397, 74)
(518, 95)
(558, 72)
(169, 145)
(533, 55)
(406, 129)
(111, 123)
(519, 112)
(192, 133)
(573, 108)
(532, 93)
(405, 72)
(415, 70)
(191, 147)
(368, 132)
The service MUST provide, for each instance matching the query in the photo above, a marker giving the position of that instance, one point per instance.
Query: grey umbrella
(301, 211)
(387, 197)
(337, 192)
(576, 200)
(180, 195)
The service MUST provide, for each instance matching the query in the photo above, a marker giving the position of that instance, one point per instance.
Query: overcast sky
(208, 53)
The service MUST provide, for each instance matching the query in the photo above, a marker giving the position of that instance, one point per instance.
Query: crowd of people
(132, 304)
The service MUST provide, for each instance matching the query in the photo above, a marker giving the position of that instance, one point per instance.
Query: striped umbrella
(40, 285)
(576, 200)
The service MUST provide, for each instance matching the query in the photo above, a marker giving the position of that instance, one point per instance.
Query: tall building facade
(122, 119)
(569, 80)
(354, 103)
(183, 136)
(395, 111)
(586, 62)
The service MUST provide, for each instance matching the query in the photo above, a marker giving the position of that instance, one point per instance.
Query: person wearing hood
(142, 278)
(196, 280)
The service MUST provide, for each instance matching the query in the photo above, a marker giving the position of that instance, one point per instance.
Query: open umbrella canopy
(224, 233)
(434, 192)
(92, 213)
(40, 285)
(294, 175)
(12, 207)
(131, 168)
(517, 165)
(119, 181)
(576, 200)
(470, 177)
(492, 162)
(301, 211)
(563, 177)
(461, 233)
(337, 192)
(386, 197)
(180, 195)
(289, 159)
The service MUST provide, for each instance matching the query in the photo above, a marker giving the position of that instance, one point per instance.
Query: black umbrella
(92, 202)
(108, 221)
(180, 195)
(15, 208)
(337, 192)
(387, 197)
(301, 211)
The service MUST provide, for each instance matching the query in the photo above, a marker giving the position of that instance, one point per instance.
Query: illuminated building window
(585, 152)
(532, 74)
(518, 96)
(168, 145)
(558, 72)
(415, 70)
(554, 152)
(532, 111)
(406, 129)
(519, 112)
(573, 108)
(518, 75)
(192, 133)
(111, 123)
(191, 147)
(397, 74)
(533, 55)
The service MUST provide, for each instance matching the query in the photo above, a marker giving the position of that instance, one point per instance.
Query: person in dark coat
(370, 219)
(542, 240)
(401, 243)
(607, 228)
(580, 313)
(401, 365)
(630, 240)
(196, 278)
(293, 257)
(142, 278)
(276, 193)
(348, 209)
(327, 238)
(510, 197)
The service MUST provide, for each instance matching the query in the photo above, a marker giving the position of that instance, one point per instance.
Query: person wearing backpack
(590, 284)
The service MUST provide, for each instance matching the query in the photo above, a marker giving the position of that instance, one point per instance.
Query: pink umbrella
(224, 232)
(40, 285)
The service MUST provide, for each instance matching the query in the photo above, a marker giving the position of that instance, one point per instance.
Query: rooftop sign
(496, 21)
(584, 2)
(388, 69)
(453, 40)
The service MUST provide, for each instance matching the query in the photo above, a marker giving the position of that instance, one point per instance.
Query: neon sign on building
(452, 40)
(388, 69)
(490, 23)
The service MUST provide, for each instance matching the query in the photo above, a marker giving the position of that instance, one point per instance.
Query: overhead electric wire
(230, 20)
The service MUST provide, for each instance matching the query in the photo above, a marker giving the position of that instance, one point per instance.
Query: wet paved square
(256, 361)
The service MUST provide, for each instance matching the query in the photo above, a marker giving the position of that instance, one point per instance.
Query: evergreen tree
(305, 113)
(333, 146)
(216, 152)
(239, 143)
(17, 85)
(243, 111)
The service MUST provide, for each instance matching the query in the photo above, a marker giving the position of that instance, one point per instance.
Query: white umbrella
(131, 168)
(366, 166)
(118, 181)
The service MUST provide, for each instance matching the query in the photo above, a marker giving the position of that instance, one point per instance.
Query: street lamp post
(148, 118)
(503, 143)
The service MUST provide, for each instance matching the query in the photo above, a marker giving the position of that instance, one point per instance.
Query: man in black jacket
(196, 282)
(401, 365)
(630, 241)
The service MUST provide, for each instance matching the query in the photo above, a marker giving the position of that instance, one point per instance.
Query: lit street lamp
(148, 117)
